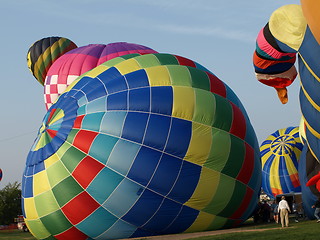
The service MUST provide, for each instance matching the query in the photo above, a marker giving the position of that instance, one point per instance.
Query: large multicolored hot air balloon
(62, 70)
(0, 174)
(274, 58)
(280, 154)
(140, 146)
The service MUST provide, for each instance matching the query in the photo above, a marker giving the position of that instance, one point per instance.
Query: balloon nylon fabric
(280, 154)
(80, 60)
(306, 171)
(299, 40)
(293, 36)
(44, 52)
(141, 146)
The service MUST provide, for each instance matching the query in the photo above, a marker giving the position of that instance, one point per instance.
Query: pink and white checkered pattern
(54, 87)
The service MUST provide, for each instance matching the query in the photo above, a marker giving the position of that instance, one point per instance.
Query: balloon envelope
(280, 154)
(308, 168)
(42, 54)
(140, 146)
(311, 10)
(0, 174)
(80, 60)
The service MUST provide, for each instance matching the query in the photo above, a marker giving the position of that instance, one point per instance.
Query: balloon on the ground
(141, 146)
(280, 154)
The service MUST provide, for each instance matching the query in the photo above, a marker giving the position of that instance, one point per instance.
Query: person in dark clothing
(274, 211)
(317, 209)
(295, 211)
(257, 213)
(265, 212)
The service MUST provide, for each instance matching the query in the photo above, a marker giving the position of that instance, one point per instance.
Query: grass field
(15, 235)
(305, 230)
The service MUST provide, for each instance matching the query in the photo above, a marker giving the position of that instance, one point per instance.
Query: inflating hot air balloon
(280, 154)
(141, 146)
(274, 58)
(62, 71)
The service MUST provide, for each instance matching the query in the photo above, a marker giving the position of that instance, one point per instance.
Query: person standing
(317, 209)
(295, 210)
(284, 211)
(275, 212)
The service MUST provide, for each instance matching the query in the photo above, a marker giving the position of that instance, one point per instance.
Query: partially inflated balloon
(140, 146)
(274, 60)
(44, 52)
(80, 60)
(280, 154)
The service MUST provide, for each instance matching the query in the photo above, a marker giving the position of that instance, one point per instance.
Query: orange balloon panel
(311, 11)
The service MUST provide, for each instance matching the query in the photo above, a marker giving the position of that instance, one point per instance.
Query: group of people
(266, 212)
(262, 212)
(280, 212)
(284, 211)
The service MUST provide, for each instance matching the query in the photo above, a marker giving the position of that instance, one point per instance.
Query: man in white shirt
(284, 211)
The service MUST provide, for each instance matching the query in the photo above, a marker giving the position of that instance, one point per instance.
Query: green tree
(10, 203)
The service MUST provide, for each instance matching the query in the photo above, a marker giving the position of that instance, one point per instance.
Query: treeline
(10, 203)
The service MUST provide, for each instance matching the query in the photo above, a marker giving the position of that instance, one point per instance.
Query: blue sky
(217, 34)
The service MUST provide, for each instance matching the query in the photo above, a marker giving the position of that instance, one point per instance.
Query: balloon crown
(44, 52)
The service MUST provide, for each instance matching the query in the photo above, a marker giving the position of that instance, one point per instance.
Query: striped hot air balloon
(280, 154)
(43, 53)
(140, 146)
